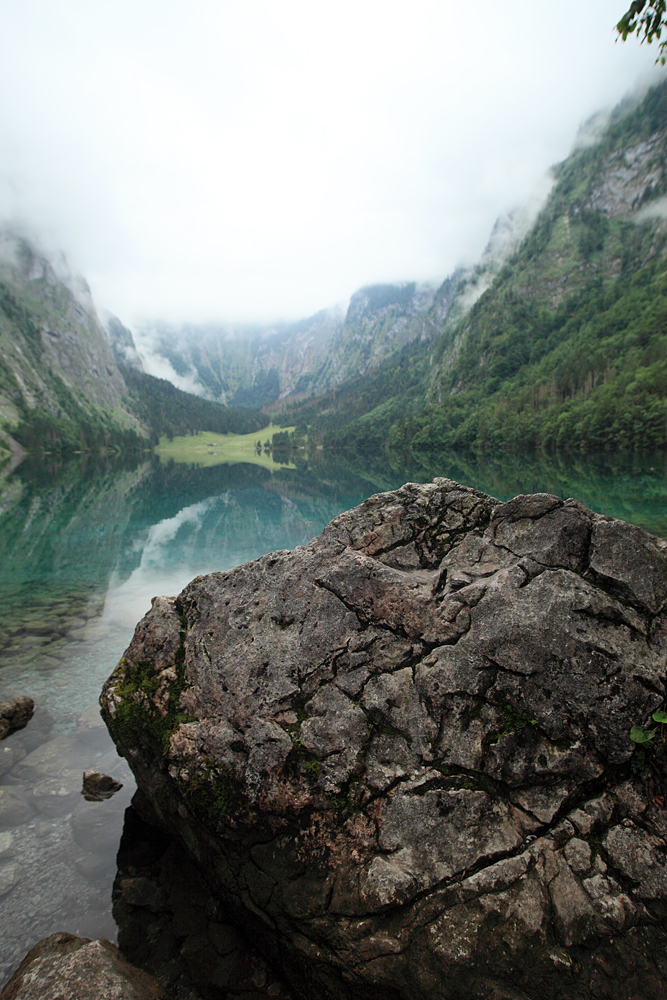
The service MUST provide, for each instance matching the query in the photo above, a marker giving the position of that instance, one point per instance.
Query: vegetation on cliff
(567, 348)
(62, 390)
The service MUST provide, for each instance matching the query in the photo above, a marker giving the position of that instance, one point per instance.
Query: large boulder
(65, 967)
(401, 756)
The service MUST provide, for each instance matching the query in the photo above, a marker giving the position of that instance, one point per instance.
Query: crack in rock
(412, 734)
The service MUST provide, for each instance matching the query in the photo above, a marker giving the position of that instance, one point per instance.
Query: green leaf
(660, 717)
(639, 735)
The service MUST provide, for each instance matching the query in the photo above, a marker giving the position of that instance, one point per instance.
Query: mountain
(558, 338)
(58, 378)
(61, 386)
(568, 347)
(264, 365)
(244, 366)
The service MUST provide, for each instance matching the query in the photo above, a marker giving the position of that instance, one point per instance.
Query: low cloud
(260, 161)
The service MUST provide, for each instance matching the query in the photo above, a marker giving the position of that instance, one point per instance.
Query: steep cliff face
(55, 358)
(575, 316)
(558, 337)
(380, 320)
(261, 366)
(245, 366)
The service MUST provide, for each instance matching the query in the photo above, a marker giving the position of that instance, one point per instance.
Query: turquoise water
(83, 550)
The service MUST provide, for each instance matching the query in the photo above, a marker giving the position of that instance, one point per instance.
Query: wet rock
(57, 757)
(35, 734)
(63, 965)
(171, 925)
(142, 892)
(96, 827)
(401, 756)
(98, 787)
(15, 713)
(8, 758)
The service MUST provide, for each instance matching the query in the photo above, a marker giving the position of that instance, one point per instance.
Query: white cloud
(260, 160)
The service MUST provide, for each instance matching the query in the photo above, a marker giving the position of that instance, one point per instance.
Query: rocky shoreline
(398, 760)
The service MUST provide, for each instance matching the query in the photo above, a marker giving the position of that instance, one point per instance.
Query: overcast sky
(262, 159)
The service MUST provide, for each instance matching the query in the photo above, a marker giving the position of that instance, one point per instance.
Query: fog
(260, 160)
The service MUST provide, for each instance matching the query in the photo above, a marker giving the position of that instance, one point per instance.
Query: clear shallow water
(83, 551)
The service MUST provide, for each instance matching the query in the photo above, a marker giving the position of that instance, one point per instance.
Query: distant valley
(557, 339)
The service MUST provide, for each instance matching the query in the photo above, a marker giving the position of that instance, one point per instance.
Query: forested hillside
(61, 388)
(168, 411)
(567, 348)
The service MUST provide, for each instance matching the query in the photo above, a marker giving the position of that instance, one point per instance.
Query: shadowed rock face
(401, 755)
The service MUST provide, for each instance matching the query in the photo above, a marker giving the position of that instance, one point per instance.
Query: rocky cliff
(557, 338)
(401, 754)
(260, 366)
(246, 366)
(55, 358)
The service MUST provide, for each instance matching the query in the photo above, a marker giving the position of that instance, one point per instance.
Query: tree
(646, 19)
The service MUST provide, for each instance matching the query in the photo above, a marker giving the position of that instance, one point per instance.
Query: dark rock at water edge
(15, 713)
(400, 754)
(171, 925)
(98, 787)
(63, 965)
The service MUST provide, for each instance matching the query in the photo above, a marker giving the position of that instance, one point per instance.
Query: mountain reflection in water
(83, 549)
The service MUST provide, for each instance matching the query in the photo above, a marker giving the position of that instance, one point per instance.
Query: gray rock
(8, 758)
(9, 876)
(15, 713)
(58, 757)
(57, 796)
(65, 966)
(373, 757)
(96, 826)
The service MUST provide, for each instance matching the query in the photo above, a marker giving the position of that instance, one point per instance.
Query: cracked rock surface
(400, 754)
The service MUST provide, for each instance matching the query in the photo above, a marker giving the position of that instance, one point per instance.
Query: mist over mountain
(560, 344)
(556, 338)
(264, 365)
(62, 388)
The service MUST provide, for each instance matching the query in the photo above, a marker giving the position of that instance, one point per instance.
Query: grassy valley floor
(207, 448)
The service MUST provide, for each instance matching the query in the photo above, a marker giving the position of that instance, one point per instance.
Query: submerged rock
(97, 787)
(400, 754)
(63, 965)
(15, 713)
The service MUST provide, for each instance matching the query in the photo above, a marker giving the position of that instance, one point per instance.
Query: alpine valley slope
(61, 388)
(559, 340)
(58, 377)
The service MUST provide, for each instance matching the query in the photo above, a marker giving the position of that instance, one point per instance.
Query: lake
(83, 549)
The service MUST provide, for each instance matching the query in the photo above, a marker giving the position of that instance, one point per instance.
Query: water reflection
(82, 552)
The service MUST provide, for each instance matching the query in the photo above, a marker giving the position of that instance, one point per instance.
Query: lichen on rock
(401, 756)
